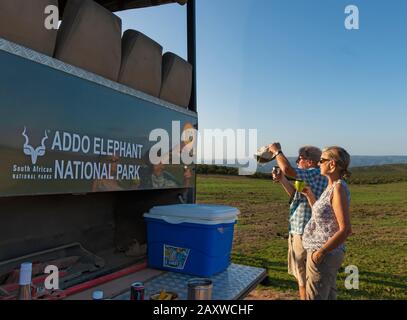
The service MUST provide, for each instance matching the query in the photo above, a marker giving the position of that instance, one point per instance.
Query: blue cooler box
(190, 238)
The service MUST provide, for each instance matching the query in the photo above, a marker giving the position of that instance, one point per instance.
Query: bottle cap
(25, 273)
(97, 295)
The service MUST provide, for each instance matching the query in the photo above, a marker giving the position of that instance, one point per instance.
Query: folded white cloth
(263, 155)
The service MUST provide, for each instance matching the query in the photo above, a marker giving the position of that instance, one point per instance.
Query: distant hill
(388, 173)
(356, 161)
(363, 161)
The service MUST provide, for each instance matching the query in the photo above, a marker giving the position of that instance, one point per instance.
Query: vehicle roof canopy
(119, 5)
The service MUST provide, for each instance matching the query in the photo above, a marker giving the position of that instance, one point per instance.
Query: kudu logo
(30, 151)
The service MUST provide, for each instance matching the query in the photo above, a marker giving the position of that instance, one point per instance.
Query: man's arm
(287, 185)
(282, 161)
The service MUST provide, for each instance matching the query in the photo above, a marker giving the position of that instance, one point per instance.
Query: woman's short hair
(342, 159)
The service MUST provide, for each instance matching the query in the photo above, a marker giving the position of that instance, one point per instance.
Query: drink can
(137, 291)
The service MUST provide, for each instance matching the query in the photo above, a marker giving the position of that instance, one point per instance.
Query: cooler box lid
(194, 213)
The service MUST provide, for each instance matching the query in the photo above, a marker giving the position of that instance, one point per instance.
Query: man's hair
(310, 153)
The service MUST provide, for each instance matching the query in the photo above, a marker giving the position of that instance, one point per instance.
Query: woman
(329, 226)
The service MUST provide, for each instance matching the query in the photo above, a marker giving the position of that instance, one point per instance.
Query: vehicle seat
(176, 80)
(90, 38)
(22, 22)
(141, 63)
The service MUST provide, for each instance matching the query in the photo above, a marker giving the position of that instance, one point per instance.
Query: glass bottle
(24, 292)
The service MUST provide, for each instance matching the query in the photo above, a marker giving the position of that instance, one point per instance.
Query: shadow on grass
(259, 262)
(281, 284)
(383, 286)
(382, 279)
(344, 294)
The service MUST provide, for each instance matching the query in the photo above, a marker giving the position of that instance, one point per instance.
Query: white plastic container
(194, 213)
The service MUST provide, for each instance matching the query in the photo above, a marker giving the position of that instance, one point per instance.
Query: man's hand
(282, 161)
(187, 173)
(275, 147)
(276, 174)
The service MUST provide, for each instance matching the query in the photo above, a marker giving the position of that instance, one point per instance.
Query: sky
(291, 70)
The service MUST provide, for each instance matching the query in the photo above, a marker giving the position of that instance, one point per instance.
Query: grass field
(378, 247)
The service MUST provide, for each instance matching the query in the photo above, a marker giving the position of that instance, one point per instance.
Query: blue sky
(290, 69)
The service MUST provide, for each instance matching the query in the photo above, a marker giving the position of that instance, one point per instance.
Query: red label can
(137, 291)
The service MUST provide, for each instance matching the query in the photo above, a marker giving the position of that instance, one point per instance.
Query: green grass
(379, 174)
(378, 247)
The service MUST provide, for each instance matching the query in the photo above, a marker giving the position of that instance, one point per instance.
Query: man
(300, 210)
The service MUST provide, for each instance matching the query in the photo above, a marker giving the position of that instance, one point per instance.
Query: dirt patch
(267, 294)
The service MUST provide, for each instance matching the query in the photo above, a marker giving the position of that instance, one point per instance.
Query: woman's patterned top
(323, 224)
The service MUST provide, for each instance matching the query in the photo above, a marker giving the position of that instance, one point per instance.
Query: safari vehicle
(77, 106)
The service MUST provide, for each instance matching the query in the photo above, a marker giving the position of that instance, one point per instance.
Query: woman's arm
(340, 205)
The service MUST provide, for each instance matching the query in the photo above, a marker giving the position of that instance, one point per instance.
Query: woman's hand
(317, 256)
(307, 191)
